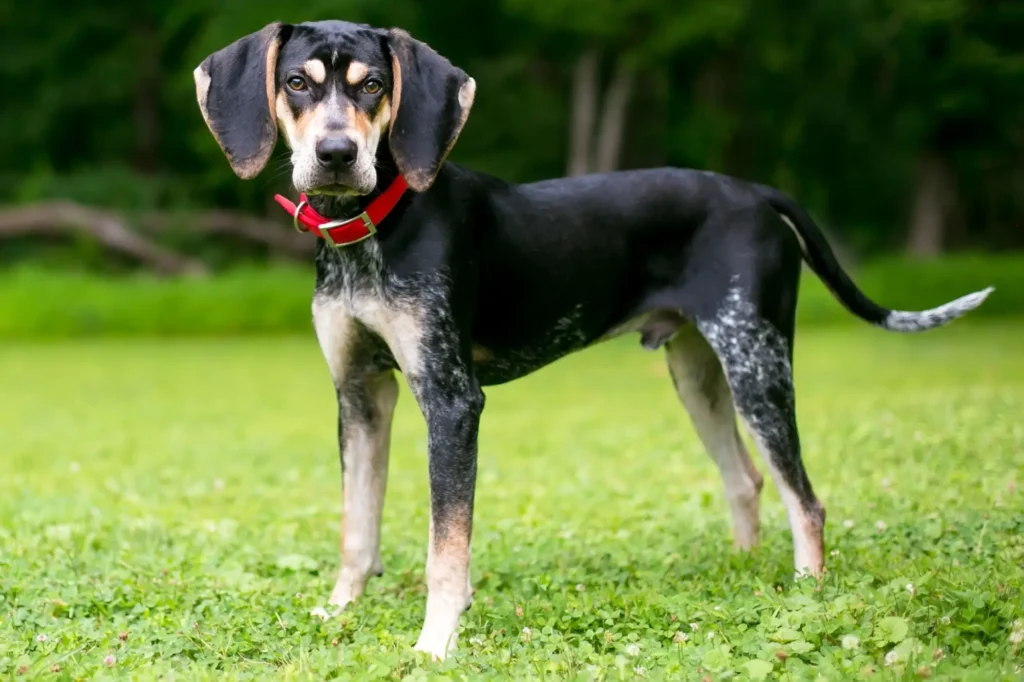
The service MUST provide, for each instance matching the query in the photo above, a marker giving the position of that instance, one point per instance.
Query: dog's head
(335, 90)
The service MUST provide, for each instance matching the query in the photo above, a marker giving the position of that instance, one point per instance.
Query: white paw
(341, 596)
(323, 614)
(346, 590)
(804, 572)
(438, 646)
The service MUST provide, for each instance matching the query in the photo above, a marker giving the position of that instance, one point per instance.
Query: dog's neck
(337, 207)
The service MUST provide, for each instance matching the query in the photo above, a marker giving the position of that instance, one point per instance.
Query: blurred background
(898, 125)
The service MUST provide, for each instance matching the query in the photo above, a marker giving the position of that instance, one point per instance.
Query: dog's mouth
(336, 189)
(342, 185)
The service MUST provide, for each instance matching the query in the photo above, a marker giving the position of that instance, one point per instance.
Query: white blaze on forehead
(316, 70)
(356, 72)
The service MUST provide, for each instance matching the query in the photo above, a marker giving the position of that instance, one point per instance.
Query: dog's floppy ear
(235, 88)
(430, 102)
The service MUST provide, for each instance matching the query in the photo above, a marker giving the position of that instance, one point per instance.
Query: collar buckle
(367, 223)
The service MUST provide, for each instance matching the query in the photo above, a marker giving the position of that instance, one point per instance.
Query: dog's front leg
(365, 408)
(367, 395)
(451, 401)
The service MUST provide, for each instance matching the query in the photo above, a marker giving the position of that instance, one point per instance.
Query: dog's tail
(822, 260)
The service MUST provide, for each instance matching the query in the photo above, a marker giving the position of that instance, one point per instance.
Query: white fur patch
(917, 321)
(401, 329)
(400, 326)
(333, 326)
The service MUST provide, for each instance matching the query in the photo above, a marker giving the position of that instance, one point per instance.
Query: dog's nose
(337, 152)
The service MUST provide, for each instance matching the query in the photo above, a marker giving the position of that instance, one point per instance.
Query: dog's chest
(358, 296)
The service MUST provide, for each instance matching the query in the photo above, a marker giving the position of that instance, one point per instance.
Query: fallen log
(282, 240)
(113, 230)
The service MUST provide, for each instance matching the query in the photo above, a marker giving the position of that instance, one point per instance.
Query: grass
(37, 303)
(52, 304)
(169, 510)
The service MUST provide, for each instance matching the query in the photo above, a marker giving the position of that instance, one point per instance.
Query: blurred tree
(899, 123)
(628, 40)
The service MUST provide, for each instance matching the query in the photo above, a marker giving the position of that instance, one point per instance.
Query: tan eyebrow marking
(316, 70)
(356, 72)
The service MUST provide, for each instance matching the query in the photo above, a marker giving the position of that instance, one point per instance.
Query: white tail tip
(919, 321)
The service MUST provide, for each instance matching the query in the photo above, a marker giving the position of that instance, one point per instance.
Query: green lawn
(172, 507)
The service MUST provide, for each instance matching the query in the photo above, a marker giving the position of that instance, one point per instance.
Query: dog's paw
(346, 590)
(325, 614)
(351, 584)
(341, 596)
(437, 646)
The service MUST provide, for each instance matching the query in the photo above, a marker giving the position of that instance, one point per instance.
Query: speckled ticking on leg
(756, 360)
(755, 357)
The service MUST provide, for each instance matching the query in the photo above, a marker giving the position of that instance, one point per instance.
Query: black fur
(430, 88)
(237, 100)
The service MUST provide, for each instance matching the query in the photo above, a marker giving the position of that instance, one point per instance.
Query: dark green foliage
(843, 104)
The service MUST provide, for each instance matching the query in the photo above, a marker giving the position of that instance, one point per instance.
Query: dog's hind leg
(703, 390)
(757, 359)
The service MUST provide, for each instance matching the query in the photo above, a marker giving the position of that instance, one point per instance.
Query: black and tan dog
(460, 280)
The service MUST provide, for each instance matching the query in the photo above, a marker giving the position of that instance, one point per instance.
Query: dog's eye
(372, 86)
(296, 83)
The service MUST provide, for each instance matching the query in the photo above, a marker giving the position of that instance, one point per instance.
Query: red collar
(352, 230)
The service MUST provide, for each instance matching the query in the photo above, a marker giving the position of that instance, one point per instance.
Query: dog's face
(336, 91)
(333, 105)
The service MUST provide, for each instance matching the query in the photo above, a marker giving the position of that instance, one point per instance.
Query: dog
(459, 280)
